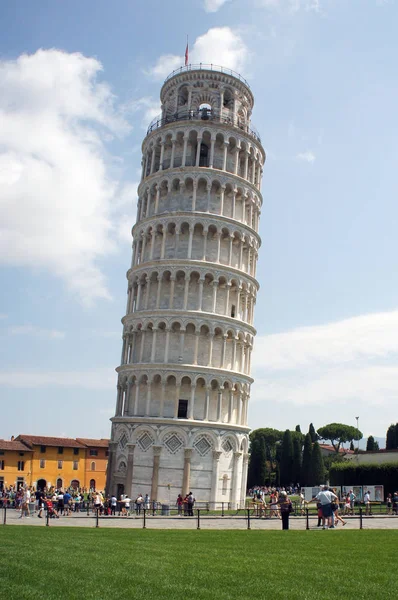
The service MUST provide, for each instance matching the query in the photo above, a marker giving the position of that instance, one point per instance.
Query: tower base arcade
(165, 457)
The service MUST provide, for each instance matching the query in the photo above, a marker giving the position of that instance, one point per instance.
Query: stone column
(199, 142)
(212, 144)
(166, 346)
(196, 349)
(182, 342)
(161, 157)
(186, 478)
(177, 398)
(223, 348)
(158, 293)
(246, 168)
(200, 295)
(148, 398)
(148, 289)
(233, 366)
(194, 190)
(219, 404)
(208, 190)
(157, 200)
(205, 232)
(137, 304)
(192, 401)
(236, 160)
(224, 163)
(214, 303)
(227, 311)
(153, 351)
(142, 345)
(214, 477)
(243, 486)
(230, 249)
(155, 472)
(137, 396)
(184, 152)
(173, 148)
(143, 247)
(207, 404)
(164, 237)
(172, 284)
(186, 291)
(222, 192)
(211, 338)
(230, 405)
(129, 472)
(190, 241)
(235, 480)
(219, 234)
(127, 400)
(161, 409)
(152, 160)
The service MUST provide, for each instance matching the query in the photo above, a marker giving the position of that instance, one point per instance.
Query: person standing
(25, 504)
(326, 497)
(191, 502)
(113, 505)
(366, 500)
(389, 504)
(179, 505)
(286, 508)
(60, 502)
(352, 501)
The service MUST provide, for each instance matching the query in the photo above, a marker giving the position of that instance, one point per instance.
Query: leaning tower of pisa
(184, 379)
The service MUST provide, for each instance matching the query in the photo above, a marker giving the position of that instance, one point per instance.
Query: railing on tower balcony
(208, 67)
(203, 114)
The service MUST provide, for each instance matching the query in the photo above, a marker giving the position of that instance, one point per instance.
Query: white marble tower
(184, 380)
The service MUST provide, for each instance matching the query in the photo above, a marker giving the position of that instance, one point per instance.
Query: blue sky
(80, 81)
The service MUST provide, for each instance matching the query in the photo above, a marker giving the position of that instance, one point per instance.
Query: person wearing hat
(286, 508)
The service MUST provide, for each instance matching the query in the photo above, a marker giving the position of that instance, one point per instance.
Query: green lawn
(84, 564)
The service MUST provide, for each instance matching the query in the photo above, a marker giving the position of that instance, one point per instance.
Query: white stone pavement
(206, 522)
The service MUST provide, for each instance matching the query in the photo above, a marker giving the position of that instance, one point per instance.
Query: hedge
(349, 473)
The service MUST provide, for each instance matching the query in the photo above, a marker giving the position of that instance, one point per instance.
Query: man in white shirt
(366, 500)
(325, 498)
(25, 504)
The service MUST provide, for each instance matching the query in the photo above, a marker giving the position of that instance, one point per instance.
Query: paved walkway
(206, 522)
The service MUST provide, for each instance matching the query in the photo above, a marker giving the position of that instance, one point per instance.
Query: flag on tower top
(186, 53)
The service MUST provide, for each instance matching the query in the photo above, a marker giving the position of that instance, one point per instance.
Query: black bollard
(88, 508)
(222, 509)
(307, 517)
(144, 524)
(5, 513)
(96, 518)
(248, 518)
(360, 518)
(198, 527)
(48, 518)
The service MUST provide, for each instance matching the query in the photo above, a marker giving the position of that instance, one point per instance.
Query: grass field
(85, 564)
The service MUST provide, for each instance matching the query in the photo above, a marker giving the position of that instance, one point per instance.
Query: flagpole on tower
(186, 53)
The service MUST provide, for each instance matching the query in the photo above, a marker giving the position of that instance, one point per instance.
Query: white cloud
(97, 379)
(212, 6)
(147, 106)
(50, 334)
(219, 46)
(55, 188)
(307, 156)
(339, 368)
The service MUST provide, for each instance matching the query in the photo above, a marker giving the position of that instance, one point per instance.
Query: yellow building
(15, 464)
(56, 462)
(96, 463)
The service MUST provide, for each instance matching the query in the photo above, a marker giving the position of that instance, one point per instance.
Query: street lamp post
(357, 418)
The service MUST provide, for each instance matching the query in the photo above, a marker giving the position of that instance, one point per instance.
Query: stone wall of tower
(184, 378)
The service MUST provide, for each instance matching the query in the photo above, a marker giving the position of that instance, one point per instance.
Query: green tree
(391, 437)
(312, 432)
(298, 428)
(317, 466)
(257, 469)
(306, 477)
(377, 446)
(286, 462)
(297, 459)
(370, 444)
(271, 438)
(338, 434)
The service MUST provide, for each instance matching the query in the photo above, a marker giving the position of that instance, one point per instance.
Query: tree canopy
(338, 433)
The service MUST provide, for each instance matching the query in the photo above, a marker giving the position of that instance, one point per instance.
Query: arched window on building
(93, 466)
(92, 484)
(59, 483)
(204, 156)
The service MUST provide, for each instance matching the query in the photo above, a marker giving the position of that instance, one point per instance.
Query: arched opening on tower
(205, 111)
(204, 155)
